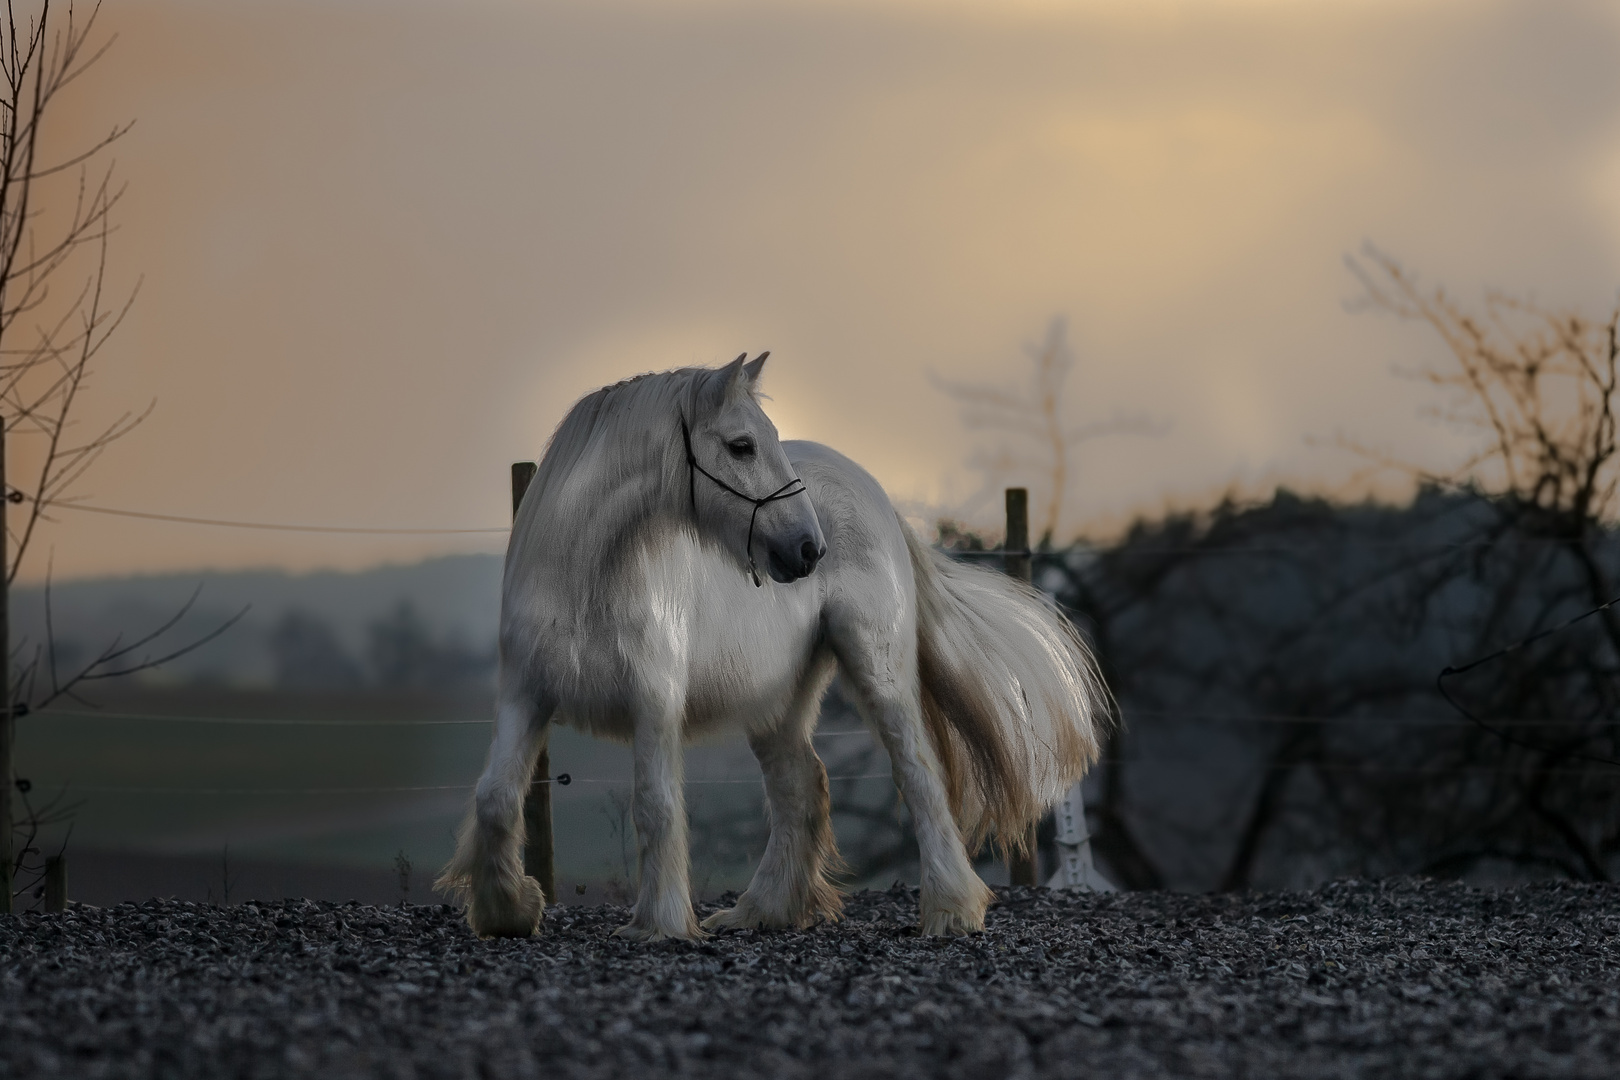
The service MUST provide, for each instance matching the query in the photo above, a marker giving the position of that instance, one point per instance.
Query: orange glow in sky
(384, 246)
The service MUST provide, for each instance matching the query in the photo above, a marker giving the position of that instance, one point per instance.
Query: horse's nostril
(808, 552)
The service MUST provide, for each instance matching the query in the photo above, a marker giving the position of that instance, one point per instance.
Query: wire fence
(1212, 548)
(566, 779)
(1127, 716)
(354, 530)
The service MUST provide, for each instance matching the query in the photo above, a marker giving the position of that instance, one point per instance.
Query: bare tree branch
(1041, 451)
(51, 336)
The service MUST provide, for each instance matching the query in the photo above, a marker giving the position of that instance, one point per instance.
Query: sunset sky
(383, 246)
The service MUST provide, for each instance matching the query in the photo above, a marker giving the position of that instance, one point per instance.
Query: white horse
(633, 608)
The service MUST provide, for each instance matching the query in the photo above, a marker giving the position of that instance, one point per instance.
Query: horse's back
(850, 495)
(866, 576)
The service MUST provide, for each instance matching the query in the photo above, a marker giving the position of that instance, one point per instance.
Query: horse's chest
(747, 650)
(744, 663)
(695, 634)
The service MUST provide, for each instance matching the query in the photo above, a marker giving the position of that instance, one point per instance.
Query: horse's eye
(741, 448)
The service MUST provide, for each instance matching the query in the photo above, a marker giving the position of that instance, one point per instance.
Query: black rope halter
(793, 487)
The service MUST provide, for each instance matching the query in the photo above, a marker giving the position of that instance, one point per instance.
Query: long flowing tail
(1011, 696)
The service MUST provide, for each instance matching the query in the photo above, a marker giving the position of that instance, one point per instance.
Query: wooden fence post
(1021, 868)
(1075, 869)
(56, 883)
(539, 855)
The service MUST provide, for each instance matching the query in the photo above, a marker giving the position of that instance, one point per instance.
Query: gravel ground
(1410, 979)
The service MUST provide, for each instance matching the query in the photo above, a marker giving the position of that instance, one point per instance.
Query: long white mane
(615, 466)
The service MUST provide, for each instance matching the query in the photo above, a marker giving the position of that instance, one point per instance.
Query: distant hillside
(329, 628)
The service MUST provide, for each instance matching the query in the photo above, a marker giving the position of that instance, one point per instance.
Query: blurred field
(173, 787)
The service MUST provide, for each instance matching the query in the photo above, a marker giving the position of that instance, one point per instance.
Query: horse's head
(744, 490)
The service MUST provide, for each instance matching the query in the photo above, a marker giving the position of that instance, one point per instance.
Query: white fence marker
(1075, 868)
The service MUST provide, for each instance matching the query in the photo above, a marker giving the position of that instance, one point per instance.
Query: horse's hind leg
(487, 870)
(791, 886)
(883, 675)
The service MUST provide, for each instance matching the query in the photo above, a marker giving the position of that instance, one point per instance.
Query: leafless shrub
(1277, 661)
(57, 313)
(1038, 443)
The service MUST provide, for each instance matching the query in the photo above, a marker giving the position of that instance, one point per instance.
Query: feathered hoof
(950, 924)
(634, 931)
(748, 915)
(742, 917)
(953, 916)
(496, 914)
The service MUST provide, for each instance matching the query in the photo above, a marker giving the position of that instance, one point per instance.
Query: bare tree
(1538, 387)
(57, 313)
(1290, 648)
(1320, 628)
(1038, 442)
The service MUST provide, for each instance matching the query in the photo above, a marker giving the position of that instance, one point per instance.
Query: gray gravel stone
(1409, 979)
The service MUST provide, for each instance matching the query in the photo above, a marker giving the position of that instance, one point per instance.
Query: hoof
(822, 904)
(496, 915)
(748, 916)
(732, 918)
(950, 924)
(633, 931)
(744, 917)
(953, 916)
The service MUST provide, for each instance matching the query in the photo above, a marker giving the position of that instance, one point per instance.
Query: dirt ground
(1408, 979)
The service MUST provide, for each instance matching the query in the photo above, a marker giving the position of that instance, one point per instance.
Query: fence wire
(565, 779)
(1128, 714)
(272, 526)
(960, 553)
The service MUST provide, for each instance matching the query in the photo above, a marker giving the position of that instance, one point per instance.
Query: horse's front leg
(792, 885)
(663, 896)
(487, 870)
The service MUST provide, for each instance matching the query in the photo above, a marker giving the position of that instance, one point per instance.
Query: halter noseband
(786, 491)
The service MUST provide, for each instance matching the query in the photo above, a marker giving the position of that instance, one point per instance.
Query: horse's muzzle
(797, 564)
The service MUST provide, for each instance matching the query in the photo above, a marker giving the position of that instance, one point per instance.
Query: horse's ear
(738, 377)
(754, 367)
